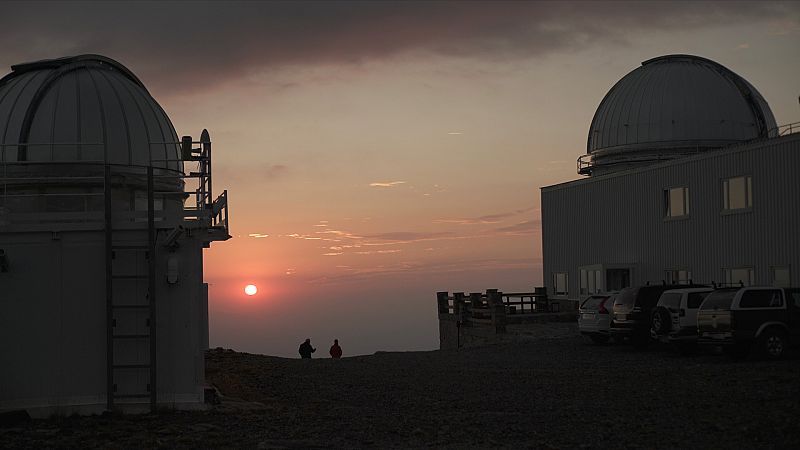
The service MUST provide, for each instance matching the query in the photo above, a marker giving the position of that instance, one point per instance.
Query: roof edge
(86, 58)
(728, 150)
(679, 56)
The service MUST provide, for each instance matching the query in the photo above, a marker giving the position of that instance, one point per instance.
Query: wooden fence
(494, 307)
(467, 319)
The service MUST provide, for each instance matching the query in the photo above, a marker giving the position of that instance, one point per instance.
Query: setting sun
(250, 289)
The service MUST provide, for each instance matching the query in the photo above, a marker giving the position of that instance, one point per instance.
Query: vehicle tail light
(682, 312)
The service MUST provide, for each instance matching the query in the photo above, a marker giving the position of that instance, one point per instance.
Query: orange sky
(377, 154)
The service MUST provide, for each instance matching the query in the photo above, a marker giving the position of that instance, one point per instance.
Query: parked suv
(632, 309)
(740, 318)
(594, 318)
(674, 319)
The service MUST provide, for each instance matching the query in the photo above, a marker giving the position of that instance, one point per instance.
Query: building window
(737, 193)
(781, 276)
(584, 282)
(591, 280)
(677, 276)
(739, 276)
(676, 202)
(598, 280)
(560, 283)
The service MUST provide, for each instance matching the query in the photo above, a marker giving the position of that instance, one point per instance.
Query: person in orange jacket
(336, 351)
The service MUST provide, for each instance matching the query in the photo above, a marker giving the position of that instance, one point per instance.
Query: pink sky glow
(376, 153)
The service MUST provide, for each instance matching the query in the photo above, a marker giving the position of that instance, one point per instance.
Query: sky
(375, 153)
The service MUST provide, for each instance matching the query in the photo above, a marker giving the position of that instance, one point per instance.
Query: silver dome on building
(673, 106)
(86, 108)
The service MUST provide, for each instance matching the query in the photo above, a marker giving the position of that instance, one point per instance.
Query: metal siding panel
(618, 219)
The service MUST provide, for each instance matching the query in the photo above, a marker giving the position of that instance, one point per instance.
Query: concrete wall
(618, 220)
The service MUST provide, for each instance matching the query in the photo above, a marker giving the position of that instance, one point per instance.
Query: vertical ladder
(116, 310)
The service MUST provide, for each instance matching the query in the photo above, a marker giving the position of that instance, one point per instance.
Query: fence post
(540, 294)
(441, 300)
(498, 310)
(458, 305)
(475, 299)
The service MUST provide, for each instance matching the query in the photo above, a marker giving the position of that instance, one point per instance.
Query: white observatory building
(102, 234)
(688, 178)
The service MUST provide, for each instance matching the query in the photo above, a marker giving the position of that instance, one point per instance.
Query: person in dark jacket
(336, 351)
(306, 349)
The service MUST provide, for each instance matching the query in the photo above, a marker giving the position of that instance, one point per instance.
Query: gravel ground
(549, 391)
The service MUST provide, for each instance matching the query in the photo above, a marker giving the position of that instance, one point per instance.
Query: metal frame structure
(208, 214)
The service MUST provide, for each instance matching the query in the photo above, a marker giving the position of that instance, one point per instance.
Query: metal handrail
(209, 211)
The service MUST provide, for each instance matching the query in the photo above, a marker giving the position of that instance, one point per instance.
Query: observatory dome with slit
(86, 108)
(102, 234)
(673, 106)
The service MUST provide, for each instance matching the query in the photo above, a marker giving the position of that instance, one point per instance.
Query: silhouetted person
(336, 351)
(306, 349)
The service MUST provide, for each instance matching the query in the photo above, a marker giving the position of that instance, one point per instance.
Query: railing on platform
(586, 163)
(35, 194)
(494, 307)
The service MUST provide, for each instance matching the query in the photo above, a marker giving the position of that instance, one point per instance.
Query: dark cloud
(180, 46)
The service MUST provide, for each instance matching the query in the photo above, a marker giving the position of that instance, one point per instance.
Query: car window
(649, 295)
(609, 302)
(696, 299)
(626, 296)
(670, 300)
(718, 300)
(593, 302)
(793, 296)
(761, 298)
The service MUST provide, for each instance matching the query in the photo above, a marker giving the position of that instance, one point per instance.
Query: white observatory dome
(102, 235)
(86, 108)
(672, 106)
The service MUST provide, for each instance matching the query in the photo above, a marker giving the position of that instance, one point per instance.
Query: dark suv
(738, 319)
(632, 310)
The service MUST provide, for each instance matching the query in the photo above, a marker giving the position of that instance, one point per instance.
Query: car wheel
(599, 338)
(737, 351)
(772, 344)
(660, 321)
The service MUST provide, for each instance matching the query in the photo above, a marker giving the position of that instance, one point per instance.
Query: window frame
(556, 292)
(672, 275)
(788, 269)
(748, 194)
(591, 280)
(727, 274)
(668, 213)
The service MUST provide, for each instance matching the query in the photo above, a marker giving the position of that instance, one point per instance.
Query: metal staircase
(131, 267)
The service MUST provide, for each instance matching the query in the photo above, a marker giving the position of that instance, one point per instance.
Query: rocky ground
(549, 390)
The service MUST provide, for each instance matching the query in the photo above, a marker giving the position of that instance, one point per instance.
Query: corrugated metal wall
(619, 219)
